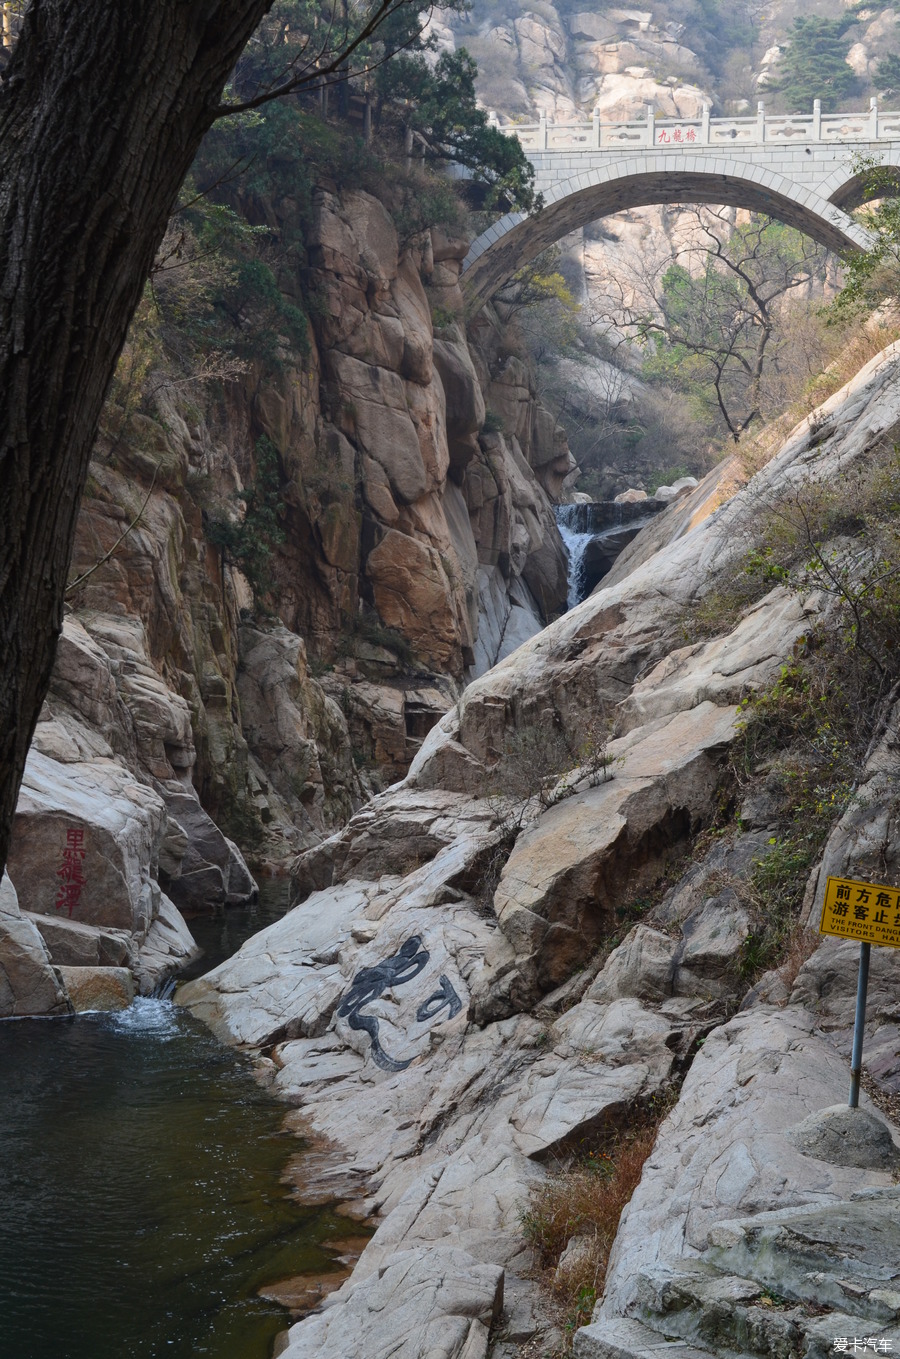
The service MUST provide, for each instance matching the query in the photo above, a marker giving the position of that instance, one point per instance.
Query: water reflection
(221, 934)
(140, 1193)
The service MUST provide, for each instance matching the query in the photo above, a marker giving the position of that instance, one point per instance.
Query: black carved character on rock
(370, 983)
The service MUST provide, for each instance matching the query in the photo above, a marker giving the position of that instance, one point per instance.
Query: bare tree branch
(325, 66)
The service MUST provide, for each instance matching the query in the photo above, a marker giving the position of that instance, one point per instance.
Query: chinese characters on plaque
(677, 136)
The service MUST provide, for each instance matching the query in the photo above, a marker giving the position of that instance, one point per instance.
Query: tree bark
(102, 108)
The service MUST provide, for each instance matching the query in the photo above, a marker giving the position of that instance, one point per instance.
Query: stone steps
(781, 1285)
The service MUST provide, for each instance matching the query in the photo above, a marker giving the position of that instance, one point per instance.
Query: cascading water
(576, 542)
(594, 533)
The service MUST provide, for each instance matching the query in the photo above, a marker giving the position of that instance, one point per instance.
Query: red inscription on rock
(71, 871)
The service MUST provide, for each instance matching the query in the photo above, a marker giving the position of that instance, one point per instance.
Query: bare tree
(710, 314)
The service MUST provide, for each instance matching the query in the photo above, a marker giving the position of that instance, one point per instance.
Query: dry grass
(754, 453)
(799, 947)
(887, 1101)
(583, 1202)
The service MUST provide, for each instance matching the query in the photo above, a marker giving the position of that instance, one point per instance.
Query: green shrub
(248, 542)
(368, 627)
(666, 476)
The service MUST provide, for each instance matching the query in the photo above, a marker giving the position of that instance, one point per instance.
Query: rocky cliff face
(563, 60)
(411, 543)
(430, 1009)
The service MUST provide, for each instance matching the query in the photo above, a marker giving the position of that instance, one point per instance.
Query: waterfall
(594, 533)
(576, 542)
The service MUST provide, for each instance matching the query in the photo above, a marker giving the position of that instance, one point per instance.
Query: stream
(140, 1184)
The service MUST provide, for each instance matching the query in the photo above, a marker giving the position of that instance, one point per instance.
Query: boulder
(568, 871)
(642, 966)
(29, 984)
(71, 944)
(213, 871)
(847, 1137)
(167, 948)
(98, 988)
(353, 234)
(677, 490)
(86, 847)
(593, 27)
(85, 843)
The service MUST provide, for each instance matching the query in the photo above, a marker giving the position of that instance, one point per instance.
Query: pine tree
(814, 65)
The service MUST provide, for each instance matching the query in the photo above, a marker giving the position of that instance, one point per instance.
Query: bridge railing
(682, 133)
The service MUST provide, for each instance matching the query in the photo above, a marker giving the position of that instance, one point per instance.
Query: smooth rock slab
(726, 1143)
(424, 1304)
(473, 1198)
(623, 1338)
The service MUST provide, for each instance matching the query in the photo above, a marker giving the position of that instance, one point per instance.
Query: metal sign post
(859, 1024)
(869, 912)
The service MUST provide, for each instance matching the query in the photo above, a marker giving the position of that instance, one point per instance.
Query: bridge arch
(849, 191)
(638, 182)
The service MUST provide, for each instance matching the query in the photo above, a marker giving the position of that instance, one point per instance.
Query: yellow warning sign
(867, 911)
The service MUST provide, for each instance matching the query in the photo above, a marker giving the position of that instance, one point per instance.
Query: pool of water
(221, 934)
(141, 1200)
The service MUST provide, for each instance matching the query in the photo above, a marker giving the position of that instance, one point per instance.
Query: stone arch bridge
(798, 169)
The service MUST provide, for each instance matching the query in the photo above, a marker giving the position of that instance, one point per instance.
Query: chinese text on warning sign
(867, 911)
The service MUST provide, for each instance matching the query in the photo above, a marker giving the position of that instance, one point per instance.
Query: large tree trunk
(102, 109)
